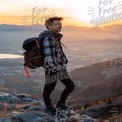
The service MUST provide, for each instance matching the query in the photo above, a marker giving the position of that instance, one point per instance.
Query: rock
(37, 103)
(11, 106)
(26, 98)
(74, 118)
(33, 108)
(39, 119)
(26, 106)
(31, 117)
(16, 98)
(9, 98)
(103, 111)
(5, 119)
(1, 106)
(85, 118)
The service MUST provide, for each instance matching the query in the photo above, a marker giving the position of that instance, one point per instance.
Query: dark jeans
(48, 88)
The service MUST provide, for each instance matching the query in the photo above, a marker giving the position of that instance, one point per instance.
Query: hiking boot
(51, 110)
(63, 106)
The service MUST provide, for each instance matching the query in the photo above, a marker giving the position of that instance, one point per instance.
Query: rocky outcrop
(25, 108)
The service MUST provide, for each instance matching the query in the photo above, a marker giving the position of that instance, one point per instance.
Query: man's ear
(49, 26)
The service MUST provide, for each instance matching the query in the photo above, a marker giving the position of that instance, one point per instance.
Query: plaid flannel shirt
(53, 53)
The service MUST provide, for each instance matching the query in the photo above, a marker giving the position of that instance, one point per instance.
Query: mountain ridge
(112, 32)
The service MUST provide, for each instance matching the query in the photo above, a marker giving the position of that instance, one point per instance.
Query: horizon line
(65, 25)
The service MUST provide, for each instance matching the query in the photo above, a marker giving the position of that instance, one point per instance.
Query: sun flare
(75, 12)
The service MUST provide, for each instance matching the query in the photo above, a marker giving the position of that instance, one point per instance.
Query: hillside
(97, 81)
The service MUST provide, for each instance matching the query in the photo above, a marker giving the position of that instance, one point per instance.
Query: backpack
(33, 55)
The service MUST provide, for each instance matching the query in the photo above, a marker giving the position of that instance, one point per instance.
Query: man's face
(56, 26)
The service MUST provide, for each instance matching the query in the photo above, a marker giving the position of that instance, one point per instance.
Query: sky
(74, 12)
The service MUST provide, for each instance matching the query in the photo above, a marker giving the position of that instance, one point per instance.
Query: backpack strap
(37, 43)
(58, 41)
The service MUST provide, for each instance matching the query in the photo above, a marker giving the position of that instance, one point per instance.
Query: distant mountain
(95, 33)
(109, 32)
(113, 28)
(38, 27)
(5, 27)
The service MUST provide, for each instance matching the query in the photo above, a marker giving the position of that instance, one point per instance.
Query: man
(55, 63)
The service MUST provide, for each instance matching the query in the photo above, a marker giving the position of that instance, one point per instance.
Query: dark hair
(50, 20)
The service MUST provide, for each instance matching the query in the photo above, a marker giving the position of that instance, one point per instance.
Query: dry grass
(4, 111)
